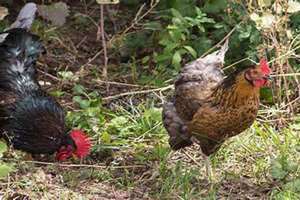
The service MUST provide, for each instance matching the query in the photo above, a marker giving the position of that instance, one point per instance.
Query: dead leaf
(293, 6)
(56, 13)
(3, 12)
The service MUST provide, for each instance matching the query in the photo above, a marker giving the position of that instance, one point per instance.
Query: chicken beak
(74, 156)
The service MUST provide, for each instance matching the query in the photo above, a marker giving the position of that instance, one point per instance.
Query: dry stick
(290, 103)
(219, 43)
(235, 63)
(138, 92)
(49, 75)
(285, 75)
(135, 21)
(193, 159)
(122, 84)
(103, 41)
(81, 165)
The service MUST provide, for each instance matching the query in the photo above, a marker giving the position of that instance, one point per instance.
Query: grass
(261, 163)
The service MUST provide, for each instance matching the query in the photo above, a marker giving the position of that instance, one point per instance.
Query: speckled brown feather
(211, 106)
(228, 112)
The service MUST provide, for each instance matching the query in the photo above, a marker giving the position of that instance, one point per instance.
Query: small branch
(223, 40)
(285, 75)
(79, 165)
(138, 92)
(101, 30)
(138, 17)
(193, 159)
(121, 84)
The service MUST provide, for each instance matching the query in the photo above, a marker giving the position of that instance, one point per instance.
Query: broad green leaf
(292, 166)
(191, 51)
(293, 186)
(78, 89)
(277, 170)
(67, 75)
(245, 33)
(175, 13)
(214, 6)
(57, 93)
(176, 58)
(154, 26)
(77, 99)
(5, 170)
(106, 138)
(145, 59)
(3, 147)
(170, 47)
(84, 104)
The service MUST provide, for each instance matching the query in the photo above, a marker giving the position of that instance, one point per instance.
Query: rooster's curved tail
(19, 51)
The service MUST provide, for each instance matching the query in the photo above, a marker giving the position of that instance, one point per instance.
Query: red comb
(82, 142)
(264, 66)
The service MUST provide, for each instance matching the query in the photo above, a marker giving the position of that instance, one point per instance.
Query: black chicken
(31, 120)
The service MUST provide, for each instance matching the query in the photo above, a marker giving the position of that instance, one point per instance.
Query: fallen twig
(193, 159)
(101, 28)
(122, 84)
(78, 165)
(285, 75)
(138, 92)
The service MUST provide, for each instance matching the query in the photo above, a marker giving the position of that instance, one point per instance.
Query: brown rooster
(209, 107)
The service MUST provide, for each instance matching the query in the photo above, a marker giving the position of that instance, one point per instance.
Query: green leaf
(191, 51)
(57, 93)
(176, 58)
(215, 6)
(5, 170)
(79, 89)
(277, 170)
(292, 166)
(106, 138)
(67, 75)
(3, 148)
(145, 59)
(175, 13)
(77, 99)
(84, 104)
(293, 186)
(154, 26)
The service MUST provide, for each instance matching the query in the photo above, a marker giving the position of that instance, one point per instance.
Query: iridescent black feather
(30, 119)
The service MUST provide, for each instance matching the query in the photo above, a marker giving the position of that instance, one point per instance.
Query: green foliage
(122, 128)
(182, 31)
(90, 116)
(215, 6)
(282, 167)
(176, 40)
(125, 128)
(5, 168)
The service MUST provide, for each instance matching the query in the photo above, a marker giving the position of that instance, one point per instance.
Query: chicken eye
(254, 73)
